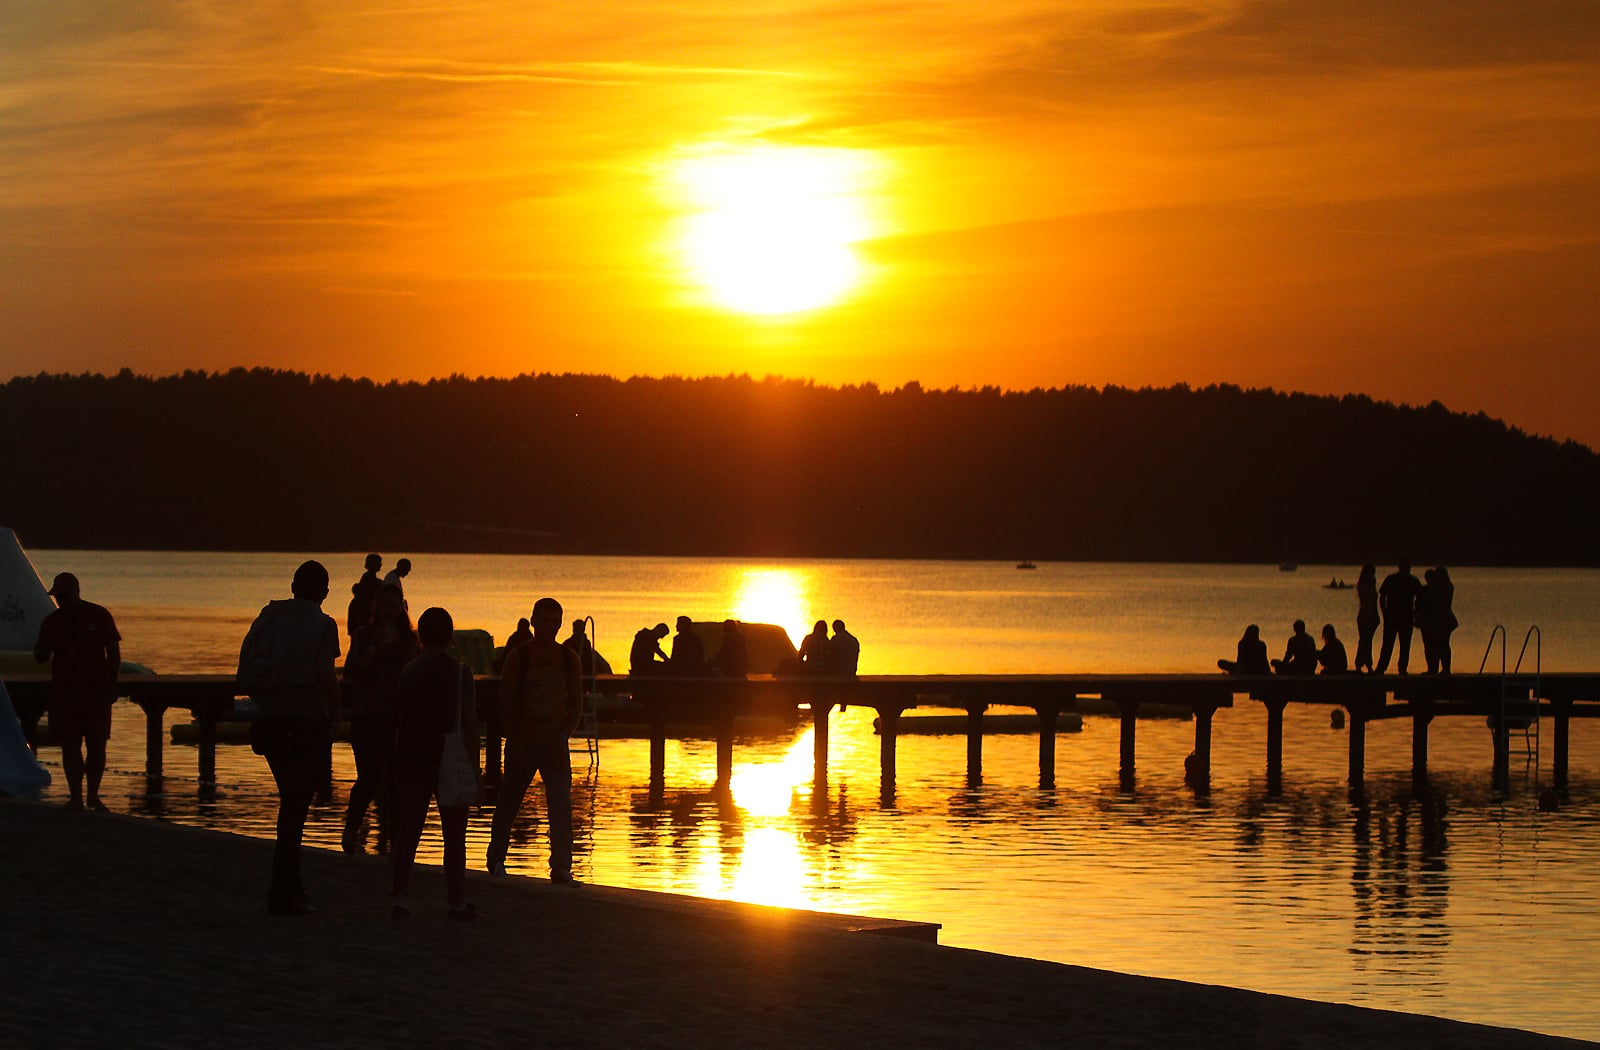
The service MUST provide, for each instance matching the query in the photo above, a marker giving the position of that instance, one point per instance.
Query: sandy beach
(130, 932)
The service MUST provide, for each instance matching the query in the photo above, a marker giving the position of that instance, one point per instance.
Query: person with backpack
(541, 700)
(286, 665)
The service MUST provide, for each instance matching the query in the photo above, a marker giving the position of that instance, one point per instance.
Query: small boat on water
(1025, 564)
(1287, 566)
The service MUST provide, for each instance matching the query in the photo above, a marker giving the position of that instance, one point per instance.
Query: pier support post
(888, 729)
(1275, 709)
(1358, 744)
(658, 758)
(1562, 713)
(1047, 743)
(1201, 774)
(1500, 728)
(1130, 722)
(975, 743)
(820, 710)
(724, 730)
(206, 716)
(1419, 743)
(153, 712)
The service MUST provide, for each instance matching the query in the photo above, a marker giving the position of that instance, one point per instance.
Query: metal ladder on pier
(1520, 691)
(585, 736)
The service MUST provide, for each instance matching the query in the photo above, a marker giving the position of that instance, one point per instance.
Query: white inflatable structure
(23, 606)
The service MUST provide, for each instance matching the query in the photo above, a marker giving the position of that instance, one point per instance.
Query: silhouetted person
(1367, 618)
(1251, 655)
(81, 644)
(521, 636)
(1300, 655)
(286, 665)
(362, 595)
(1436, 618)
(844, 651)
(436, 699)
(646, 656)
(1397, 600)
(579, 642)
(733, 658)
(814, 654)
(688, 651)
(1332, 656)
(398, 574)
(379, 651)
(541, 700)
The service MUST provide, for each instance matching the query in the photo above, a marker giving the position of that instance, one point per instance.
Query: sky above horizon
(1331, 196)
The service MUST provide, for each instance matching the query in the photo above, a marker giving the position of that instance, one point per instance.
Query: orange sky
(1397, 199)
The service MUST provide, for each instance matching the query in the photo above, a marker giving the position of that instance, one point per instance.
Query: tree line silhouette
(271, 460)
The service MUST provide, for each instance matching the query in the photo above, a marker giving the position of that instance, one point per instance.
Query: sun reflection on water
(773, 595)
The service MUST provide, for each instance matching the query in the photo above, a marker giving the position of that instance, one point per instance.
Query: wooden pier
(1503, 702)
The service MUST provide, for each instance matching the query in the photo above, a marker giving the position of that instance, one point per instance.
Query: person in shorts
(81, 644)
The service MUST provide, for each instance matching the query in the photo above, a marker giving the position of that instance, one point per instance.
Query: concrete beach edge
(135, 932)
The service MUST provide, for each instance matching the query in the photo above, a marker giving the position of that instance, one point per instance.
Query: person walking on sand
(379, 651)
(286, 665)
(541, 699)
(436, 711)
(1367, 618)
(80, 642)
(1397, 600)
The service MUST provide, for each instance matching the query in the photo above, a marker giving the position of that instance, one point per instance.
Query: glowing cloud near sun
(773, 229)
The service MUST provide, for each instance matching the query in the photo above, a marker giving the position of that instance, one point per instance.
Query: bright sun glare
(774, 229)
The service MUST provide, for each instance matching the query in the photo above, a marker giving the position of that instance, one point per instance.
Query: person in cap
(80, 642)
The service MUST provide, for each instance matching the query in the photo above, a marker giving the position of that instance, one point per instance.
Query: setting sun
(773, 230)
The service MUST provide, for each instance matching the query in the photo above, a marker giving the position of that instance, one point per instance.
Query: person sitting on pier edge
(733, 659)
(541, 699)
(1397, 600)
(436, 702)
(646, 656)
(814, 653)
(578, 641)
(844, 651)
(688, 651)
(1251, 657)
(1367, 618)
(362, 594)
(1300, 656)
(286, 665)
(1332, 655)
(80, 642)
(379, 651)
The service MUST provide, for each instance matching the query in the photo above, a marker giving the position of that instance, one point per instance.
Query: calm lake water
(1453, 901)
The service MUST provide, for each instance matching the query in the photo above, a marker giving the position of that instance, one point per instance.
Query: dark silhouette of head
(579, 627)
(546, 618)
(1328, 633)
(435, 629)
(522, 624)
(1299, 627)
(838, 627)
(389, 607)
(821, 627)
(685, 624)
(64, 588)
(310, 582)
(1368, 572)
(660, 630)
(1252, 632)
(403, 566)
(374, 562)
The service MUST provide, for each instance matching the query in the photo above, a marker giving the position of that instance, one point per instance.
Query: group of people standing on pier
(414, 730)
(1402, 605)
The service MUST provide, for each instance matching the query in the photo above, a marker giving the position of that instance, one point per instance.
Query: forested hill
(736, 466)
